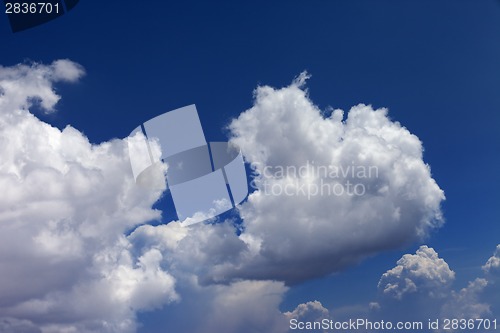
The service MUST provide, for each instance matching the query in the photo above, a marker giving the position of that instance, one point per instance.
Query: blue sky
(434, 64)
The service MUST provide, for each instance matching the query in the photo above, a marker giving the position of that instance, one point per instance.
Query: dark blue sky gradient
(434, 64)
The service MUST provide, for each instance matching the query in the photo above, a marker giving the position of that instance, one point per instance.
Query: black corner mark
(26, 14)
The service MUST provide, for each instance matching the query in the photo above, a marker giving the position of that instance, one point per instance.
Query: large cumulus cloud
(64, 207)
(291, 238)
(305, 223)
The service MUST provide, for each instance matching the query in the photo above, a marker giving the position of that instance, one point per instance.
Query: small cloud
(422, 272)
(66, 70)
(493, 264)
(310, 311)
(419, 288)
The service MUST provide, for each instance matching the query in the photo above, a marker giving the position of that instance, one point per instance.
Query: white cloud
(246, 306)
(21, 85)
(65, 70)
(64, 207)
(493, 264)
(296, 234)
(310, 312)
(420, 287)
(243, 306)
(415, 289)
(466, 303)
(423, 272)
(479, 299)
(291, 238)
